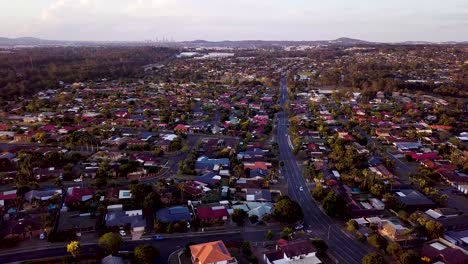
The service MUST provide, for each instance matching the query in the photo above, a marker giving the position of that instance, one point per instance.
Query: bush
(352, 226)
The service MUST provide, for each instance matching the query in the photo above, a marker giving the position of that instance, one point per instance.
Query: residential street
(341, 246)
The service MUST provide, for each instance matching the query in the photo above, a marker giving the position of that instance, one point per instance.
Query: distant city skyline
(215, 20)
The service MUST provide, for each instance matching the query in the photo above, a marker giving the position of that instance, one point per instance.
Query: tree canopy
(146, 254)
(111, 242)
(288, 211)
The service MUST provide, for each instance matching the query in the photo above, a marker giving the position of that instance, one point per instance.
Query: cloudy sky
(375, 20)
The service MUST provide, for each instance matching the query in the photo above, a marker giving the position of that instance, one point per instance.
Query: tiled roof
(210, 252)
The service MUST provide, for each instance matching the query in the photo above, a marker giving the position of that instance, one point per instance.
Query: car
(298, 227)
(122, 233)
(42, 236)
(158, 237)
(78, 180)
(301, 189)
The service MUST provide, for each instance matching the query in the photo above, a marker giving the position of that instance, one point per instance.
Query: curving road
(343, 247)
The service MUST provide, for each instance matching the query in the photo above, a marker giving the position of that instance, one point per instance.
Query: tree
(146, 254)
(246, 248)
(373, 258)
(152, 202)
(287, 233)
(288, 211)
(409, 257)
(377, 190)
(394, 249)
(334, 204)
(352, 226)
(320, 244)
(253, 218)
(139, 192)
(111, 242)
(319, 193)
(377, 241)
(74, 248)
(269, 235)
(434, 228)
(238, 216)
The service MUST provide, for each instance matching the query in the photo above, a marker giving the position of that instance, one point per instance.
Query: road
(342, 246)
(166, 247)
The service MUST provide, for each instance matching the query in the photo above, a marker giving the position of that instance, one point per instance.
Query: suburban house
(255, 208)
(413, 200)
(394, 230)
(117, 217)
(77, 195)
(205, 164)
(174, 214)
(215, 213)
(211, 253)
(299, 251)
(441, 251)
(451, 219)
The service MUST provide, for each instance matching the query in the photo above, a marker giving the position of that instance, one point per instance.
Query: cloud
(235, 19)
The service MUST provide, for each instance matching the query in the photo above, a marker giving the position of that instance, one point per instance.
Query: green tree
(373, 258)
(111, 242)
(246, 248)
(409, 257)
(146, 254)
(334, 204)
(269, 235)
(394, 249)
(287, 233)
(434, 228)
(320, 244)
(139, 192)
(288, 211)
(377, 241)
(239, 216)
(352, 226)
(319, 193)
(152, 202)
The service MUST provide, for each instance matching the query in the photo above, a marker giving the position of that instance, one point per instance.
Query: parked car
(158, 237)
(78, 180)
(122, 233)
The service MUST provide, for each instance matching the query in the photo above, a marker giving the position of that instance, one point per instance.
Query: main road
(342, 246)
(166, 247)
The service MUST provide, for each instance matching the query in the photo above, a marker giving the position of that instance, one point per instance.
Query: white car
(78, 180)
(301, 189)
(122, 233)
(299, 227)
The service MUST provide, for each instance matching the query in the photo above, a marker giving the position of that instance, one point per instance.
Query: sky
(138, 20)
